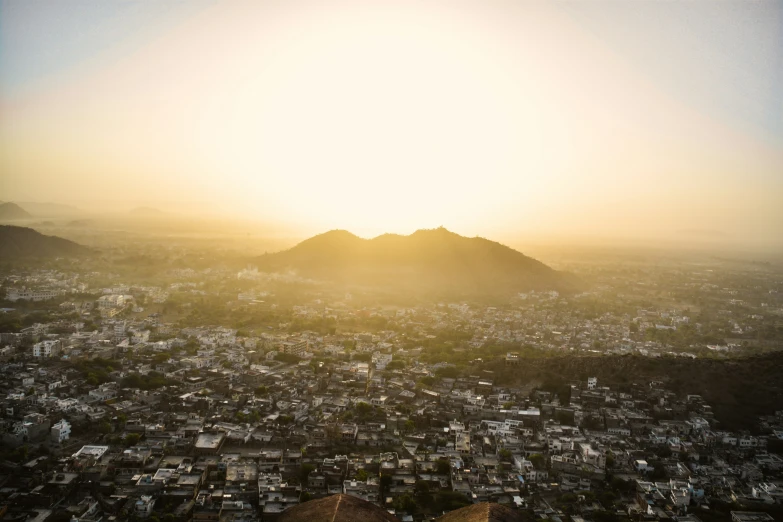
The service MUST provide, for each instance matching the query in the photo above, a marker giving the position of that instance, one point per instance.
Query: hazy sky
(488, 117)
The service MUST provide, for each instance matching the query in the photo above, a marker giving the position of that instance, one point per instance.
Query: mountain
(428, 261)
(16, 242)
(50, 210)
(149, 212)
(10, 211)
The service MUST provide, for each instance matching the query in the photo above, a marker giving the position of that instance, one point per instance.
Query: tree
(538, 460)
(361, 475)
(607, 499)
(426, 380)
(659, 471)
(304, 473)
(385, 483)
(443, 467)
(505, 455)
(261, 391)
(104, 427)
(405, 502)
(610, 461)
(450, 500)
(131, 439)
(395, 365)
(421, 487)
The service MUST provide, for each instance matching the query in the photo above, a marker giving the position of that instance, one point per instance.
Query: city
(214, 392)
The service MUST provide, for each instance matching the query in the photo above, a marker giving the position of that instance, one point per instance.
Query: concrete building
(61, 431)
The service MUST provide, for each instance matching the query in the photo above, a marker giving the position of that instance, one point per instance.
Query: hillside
(722, 383)
(430, 261)
(18, 242)
(147, 212)
(49, 210)
(11, 211)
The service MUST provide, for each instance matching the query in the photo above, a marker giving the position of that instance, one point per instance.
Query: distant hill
(80, 223)
(11, 211)
(147, 212)
(16, 242)
(50, 210)
(429, 261)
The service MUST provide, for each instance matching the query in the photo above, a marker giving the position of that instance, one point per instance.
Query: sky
(502, 118)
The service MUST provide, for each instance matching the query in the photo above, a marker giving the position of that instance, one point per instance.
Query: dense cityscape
(213, 392)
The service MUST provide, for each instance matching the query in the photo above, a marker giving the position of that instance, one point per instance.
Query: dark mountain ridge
(11, 211)
(427, 260)
(17, 242)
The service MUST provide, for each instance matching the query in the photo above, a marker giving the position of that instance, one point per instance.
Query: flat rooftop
(91, 451)
(209, 440)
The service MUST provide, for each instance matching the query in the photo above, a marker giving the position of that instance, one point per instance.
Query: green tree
(406, 503)
(384, 484)
(538, 460)
(131, 439)
(304, 473)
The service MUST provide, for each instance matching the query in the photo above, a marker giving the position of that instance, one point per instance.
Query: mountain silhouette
(434, 260)
(11, 211)
(16, 242)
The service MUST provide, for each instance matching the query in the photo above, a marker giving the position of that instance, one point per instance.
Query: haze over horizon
(593, 119)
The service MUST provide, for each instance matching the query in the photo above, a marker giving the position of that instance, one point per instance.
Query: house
(61, 431)
(143, 507)
(49, 348)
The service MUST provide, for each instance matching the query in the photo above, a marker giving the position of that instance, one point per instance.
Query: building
(46, 349)
(61, 431)
(143, 507)
(297, 348)
(209, 442)
(111, 301)
(592, 382)
(31, 295)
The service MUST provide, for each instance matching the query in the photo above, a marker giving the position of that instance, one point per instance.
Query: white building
(61, 431)
(31, 295)
(143, 507)
(592, 382)
(381, 360)
(111, 301)
(46, 349)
